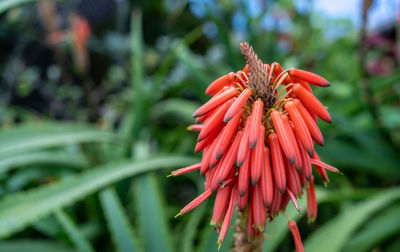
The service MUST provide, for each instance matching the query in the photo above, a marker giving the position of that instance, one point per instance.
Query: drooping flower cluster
(257, 135)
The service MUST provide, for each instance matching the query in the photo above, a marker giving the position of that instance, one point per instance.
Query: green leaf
(377, 229)
(357, 158)
(180, 107)
(73, 232)
(20, 210)
(5, 5)
(369, 152)
(394, 246)
(333, 235)
(47, 158)
(23, 245)
(380, 83)
(21, 179)
(137, 71)
(118, 222)
(48, 226)
(43, 135)
(154, 230)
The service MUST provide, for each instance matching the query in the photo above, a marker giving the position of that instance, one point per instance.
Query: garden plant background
(96, 95)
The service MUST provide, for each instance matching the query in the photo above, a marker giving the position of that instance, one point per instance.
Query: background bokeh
(96, 95)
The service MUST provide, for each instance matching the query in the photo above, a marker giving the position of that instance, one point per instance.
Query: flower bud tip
(227, 119)
(254, 182)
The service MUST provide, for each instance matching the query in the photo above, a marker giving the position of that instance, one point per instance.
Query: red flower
(257, 139)
(81, 32)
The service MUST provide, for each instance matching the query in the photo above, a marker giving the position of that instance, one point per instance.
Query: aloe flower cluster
(257, 135)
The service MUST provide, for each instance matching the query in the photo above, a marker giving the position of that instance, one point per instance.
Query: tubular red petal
(296, 236)
(322, 174)
(258, 208)
(228, 216)
(214, 183)
(210, 175)
(277, 161)
(312, 205)
(213, 159)
(246, 70)
(229, 159)
(307, 169)
(298, 164)
(324, 165)
(219, 83)
(207, 115)
(205, 160)
(292, 179)
(220, 205)
(285, 201)
(215, 122)
(186, 169)
(267, 182)
(309, 121)
(277, 69)
(321, 171)
(304, 181)
(206, 142)
(312, 103)
(227, 134)
(268, 67)
(195, 127)
(208, 178)
(237, 105)
(284, 138)
(300, 127)
(312, 114)
(309, 77)
(258, 157)
(197, 201)
(230, 178)
(215, 102)
(297, 181)
(255, 122)
(207, 155)
(276, 203)
(242, 201)
(305, 85)
(293, 198)
(244, 146)
(244, 177)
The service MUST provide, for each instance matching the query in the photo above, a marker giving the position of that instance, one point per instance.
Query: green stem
(241, 241)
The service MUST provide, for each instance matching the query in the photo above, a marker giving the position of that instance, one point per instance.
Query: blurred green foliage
(84, 151)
